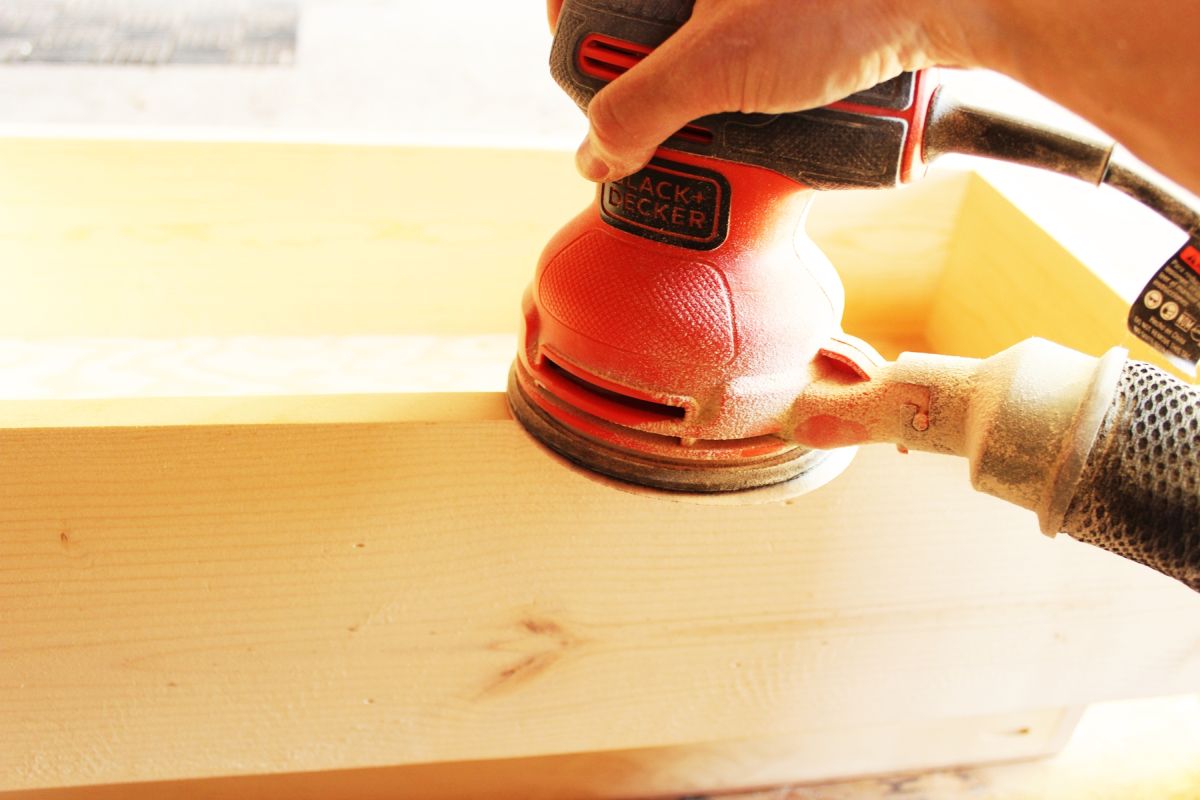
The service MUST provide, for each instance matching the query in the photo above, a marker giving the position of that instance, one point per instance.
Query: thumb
(630, 117)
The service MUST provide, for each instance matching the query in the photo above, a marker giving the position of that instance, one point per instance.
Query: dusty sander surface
(767, 480)
(1140, 497)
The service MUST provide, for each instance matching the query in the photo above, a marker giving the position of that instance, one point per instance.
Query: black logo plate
(670, 202)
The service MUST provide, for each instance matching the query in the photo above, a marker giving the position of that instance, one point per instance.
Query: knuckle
(610, 128)
(730, 48)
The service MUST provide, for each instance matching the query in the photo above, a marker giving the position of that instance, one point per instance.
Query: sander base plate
(770, 479)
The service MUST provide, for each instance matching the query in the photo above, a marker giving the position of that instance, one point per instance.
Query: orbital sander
(683, 334)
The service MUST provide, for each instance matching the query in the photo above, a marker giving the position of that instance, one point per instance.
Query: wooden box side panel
(203, 601)
(1007, 279)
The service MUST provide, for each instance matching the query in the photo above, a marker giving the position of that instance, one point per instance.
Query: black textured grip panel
(823, 149)
(1139, 494)
(896, 94)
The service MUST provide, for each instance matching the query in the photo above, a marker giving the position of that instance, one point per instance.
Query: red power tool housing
(671, 325)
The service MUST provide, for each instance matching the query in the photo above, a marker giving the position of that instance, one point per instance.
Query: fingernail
(589, 164)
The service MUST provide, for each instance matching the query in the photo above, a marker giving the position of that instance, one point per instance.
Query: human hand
(769, 56)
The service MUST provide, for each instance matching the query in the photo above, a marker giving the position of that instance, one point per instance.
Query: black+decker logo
(670, 202)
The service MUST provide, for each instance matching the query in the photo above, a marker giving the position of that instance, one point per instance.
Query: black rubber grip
(1139, 494)
(824, 148)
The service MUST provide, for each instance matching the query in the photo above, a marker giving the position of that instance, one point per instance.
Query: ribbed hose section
(1138, 182)
(1139, 494)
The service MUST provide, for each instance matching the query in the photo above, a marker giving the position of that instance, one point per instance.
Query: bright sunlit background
(466, 72)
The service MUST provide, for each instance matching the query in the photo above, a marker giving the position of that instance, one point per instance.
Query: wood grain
(202, 601)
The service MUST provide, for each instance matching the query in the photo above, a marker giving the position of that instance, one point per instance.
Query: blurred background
(471, 72)
(397, 71)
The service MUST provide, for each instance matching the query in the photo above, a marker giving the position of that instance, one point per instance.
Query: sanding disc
(762, 480)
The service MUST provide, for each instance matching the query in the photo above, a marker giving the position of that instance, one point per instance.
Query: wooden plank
(202, 601)
(1006, 279)
(619, 775)
(890, 249)
(1134, 750)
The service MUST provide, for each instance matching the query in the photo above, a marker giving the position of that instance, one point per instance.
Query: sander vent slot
(607, 58)
(607, 403)
(694, 133)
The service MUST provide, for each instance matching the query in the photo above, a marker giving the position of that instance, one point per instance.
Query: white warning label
(1165, 313)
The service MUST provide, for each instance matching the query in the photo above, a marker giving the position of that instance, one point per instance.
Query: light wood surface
(198, 601)
(1006, 278)
(623, 774)
(1127, 750)
(1132, 750)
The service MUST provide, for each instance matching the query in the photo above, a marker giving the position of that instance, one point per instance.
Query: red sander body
(684, 334)
(671, 326)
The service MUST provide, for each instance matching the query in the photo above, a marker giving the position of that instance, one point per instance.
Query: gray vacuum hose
(1139, 493)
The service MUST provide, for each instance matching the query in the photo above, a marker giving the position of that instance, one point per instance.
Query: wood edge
(700, 768)
(125, 412)
(291, 409)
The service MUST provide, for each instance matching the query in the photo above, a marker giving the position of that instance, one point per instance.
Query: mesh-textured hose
(1139, 494)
